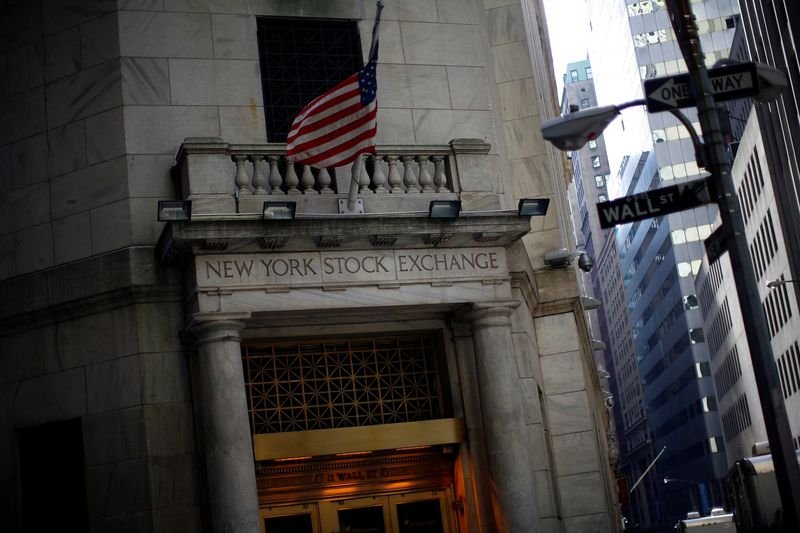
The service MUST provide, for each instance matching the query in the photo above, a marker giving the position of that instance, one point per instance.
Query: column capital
(210, 327)
(497, 313)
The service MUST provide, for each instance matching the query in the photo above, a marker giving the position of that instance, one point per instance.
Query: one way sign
(728, 83)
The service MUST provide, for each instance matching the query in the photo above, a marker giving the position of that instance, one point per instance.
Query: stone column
(507, 445)
(227, 442)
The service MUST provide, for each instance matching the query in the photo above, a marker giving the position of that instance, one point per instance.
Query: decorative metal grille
(341, 383)
(300, 60)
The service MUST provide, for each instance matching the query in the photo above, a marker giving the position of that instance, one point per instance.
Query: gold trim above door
(326, 442)
(337, 478)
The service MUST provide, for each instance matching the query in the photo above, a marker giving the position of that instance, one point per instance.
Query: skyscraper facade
(661, 257)
(764, 172)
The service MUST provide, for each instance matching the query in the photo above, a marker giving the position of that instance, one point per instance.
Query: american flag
(340, 124)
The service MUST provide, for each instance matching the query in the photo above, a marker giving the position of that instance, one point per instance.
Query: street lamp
(572, 131)
(775, 283)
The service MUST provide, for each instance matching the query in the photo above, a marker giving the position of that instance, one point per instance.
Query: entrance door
(303, 518)
(370, 515)
(421, 512)
(410, 512)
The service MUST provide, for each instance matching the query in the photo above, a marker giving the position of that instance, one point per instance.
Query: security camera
(562, 257)
(609, 401)
(585, 262)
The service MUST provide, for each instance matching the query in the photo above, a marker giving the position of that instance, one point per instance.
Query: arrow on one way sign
(728, 83)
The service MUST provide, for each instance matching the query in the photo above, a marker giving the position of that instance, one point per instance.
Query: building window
(602, 198)
(584, 103)
(52, 479)
(595, 161)
(301, 59)
(600, 181)
(573, 74)
(592, 145)
(588, 73)
(688, 268)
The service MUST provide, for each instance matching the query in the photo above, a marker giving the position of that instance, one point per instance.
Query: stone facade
(107, 318)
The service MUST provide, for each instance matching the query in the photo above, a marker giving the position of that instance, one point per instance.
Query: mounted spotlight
(170, 210)
(589, 303)
(533, 207)
(278, 210)
(562, 258)
(444, 208)
(598, 345)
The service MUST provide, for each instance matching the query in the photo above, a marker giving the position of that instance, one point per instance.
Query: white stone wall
(95, 99)
(95, 102)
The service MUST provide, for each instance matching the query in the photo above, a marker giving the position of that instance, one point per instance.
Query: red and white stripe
(334, 128)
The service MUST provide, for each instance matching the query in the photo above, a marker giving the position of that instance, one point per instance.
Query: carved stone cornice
(182, 238)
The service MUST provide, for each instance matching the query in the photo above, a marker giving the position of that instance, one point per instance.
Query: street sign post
(655, 203)
(739, 80)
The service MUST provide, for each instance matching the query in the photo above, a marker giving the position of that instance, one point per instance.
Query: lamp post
(574, 130)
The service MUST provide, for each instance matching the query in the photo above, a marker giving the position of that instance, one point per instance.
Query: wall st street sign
(655, 203)
(739, 80)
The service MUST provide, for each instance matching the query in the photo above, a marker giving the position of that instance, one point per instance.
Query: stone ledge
(100, 283)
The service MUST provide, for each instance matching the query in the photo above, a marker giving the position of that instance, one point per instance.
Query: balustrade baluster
(292, 181)
(378, 177)
(275, 178)
(307, 180)
(242, 180)
(324, 180)
(425, 180)
(409, 178)
(439, 178)
(259, 178)
(395, 181)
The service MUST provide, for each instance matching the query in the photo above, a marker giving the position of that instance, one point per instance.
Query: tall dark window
(301, 59)
(52, 477)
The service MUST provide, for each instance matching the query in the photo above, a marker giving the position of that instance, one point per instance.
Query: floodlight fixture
(533, 207)
(444, 208)
(279, 210)
(172, 210)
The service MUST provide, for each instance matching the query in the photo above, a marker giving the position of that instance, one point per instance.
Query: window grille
(324, 384)
(301, 59)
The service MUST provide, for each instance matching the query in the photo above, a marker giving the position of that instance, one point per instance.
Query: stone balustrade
(223, 178)
(390, 172)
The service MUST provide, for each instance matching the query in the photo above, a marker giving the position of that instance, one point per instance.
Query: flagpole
(352, 199)
(358, 167)
(647, 470)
